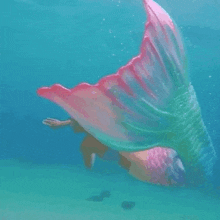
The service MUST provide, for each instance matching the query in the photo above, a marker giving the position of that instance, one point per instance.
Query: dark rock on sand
(95, 198)
(105, 193)
(127, 205)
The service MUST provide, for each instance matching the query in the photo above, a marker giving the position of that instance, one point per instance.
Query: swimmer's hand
(55, 123)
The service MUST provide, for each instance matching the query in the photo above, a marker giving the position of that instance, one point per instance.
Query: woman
(158, 165)
(147, 111)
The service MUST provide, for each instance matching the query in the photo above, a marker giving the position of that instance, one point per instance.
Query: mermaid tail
(149, 102)
(157, 165)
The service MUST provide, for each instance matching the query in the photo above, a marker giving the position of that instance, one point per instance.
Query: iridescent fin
(124, 110)
(149, 102)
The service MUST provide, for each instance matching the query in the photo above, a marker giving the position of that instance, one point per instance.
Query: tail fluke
(149, 102)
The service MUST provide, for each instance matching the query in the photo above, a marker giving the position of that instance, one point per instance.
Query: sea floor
(34, 192)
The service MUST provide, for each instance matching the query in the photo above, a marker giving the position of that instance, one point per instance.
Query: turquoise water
(69, 42)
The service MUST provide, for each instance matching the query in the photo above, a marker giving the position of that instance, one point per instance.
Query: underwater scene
(109, 109)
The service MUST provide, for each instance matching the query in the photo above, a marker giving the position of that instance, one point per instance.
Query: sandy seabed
(49, 192)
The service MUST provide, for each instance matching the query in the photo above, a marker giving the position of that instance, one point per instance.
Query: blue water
(69, 42)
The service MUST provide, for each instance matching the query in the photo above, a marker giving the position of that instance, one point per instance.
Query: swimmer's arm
(55, 123)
